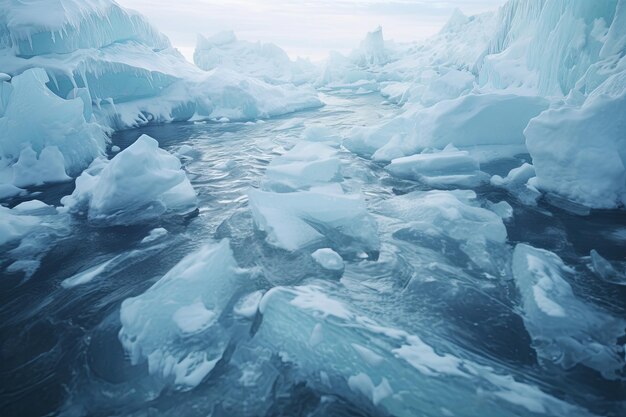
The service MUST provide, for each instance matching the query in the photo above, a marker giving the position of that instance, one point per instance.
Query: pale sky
(308, 28)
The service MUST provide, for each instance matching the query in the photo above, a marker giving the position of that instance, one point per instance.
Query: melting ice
(433, 228)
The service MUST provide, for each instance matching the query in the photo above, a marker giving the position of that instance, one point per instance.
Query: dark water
(59, 348)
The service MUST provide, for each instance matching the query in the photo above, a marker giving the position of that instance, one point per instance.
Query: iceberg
(565, 329)
(320, 216)
(138, 185)
(580, 152)
(338, 348)
(538, 77)
(264, 61)
(450, 167)
(170, 324)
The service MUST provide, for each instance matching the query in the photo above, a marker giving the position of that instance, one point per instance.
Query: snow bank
(564, 328)
(139, 184)
(170, 325)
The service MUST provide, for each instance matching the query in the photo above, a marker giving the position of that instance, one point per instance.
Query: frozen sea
(61, 354)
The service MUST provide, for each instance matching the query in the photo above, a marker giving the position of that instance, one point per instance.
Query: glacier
(429, 228)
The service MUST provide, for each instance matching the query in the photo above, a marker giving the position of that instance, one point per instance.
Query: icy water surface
(60, 348)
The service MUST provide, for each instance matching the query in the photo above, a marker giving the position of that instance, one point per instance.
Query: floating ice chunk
(502, 209)
(9, 190)
(565, 329)
(468, 120)
(446, 168)
(517, 176)
(518, 183)
(454, 214)
(328, 259)
(404, 375)
(88, 275)
(34, 207)
(15, 225)
(306, 164)
(605, 270)
(240, 98)
(174, 324)
(322, 214)
(115, 149)
(465, 122)
(155, 234)
(139, 184)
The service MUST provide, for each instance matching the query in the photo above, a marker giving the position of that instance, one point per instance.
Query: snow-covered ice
(564, 328)
(139, 184)
(185, 304)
